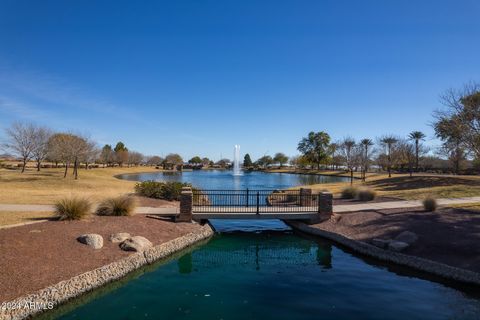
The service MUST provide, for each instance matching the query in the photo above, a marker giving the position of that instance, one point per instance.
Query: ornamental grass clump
(73, 208)
(118, 206)
(349, 193)
(430, 204)
(366, 194)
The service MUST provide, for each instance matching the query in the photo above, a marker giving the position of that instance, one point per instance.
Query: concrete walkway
(399, 204)
(338, 209)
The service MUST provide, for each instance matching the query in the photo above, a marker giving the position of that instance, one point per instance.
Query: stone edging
(31, 304)
(436, 268)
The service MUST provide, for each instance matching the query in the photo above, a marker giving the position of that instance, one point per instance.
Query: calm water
(274, 275)
(221, 179)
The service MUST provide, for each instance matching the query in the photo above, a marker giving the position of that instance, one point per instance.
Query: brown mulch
(42, 254)
(449, 236)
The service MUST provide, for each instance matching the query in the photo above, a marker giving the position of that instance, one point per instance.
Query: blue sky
(197, 77)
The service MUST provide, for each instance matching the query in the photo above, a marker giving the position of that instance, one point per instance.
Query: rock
(91, 239)
(119, 237)
(136, 243)
(381, 243)
(407, 237)
(397, 245)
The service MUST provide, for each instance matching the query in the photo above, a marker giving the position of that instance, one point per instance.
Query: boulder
(407, 237)
(119, 237)
(136, 243)
(381, 243)
(91, 239)
(397, 246)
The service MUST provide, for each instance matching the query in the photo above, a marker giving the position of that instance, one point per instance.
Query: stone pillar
(186, 206)
(325, 203)
(305, 197)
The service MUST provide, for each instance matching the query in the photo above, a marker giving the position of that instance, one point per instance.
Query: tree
(404, 154)
(121, 153)
(172, 161)
(154, 161)
(417, 136)
(195, 160)
(135, 158)
(315, 147)
(280, 158)
(332, 152)
(366, 144)
(206, 162)
(247, 161)
(463, 112)
(91, 153)
(389, 143)
(40, 151)
(68, 148)
(107, 156)
(348, 149)
(264, 161)
(223, 163)
(450, 131)
(21, 141)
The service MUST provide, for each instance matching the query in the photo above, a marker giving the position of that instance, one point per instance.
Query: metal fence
(254, 201)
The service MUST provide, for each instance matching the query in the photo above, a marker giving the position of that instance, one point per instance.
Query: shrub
(349, 193)
(430, 204)
(366, 194)
(118, 206)
(73, 208)
(161, 190)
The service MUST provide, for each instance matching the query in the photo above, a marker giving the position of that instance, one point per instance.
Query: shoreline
(435, 268)
(57, 294)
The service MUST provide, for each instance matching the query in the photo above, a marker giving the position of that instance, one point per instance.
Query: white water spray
(236, 161)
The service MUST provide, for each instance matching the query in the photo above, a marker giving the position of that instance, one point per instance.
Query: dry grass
(48, 185)
(13, 217)
(417, 187)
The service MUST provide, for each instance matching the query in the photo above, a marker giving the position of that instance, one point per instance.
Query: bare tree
(21, 141)
(68, 148)
(404, 155)
(347, 147)
(40, 151)
(154, 161)
(135, 158)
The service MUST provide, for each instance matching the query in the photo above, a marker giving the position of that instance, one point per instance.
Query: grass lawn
(14, 217)
(417, 187)
(48, 185)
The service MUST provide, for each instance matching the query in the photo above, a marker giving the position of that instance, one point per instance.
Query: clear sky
(197, 77)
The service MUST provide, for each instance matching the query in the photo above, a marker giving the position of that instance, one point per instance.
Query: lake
(224, 179)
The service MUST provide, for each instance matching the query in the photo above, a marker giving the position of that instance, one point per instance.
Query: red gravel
(38, 255)
(450, 236)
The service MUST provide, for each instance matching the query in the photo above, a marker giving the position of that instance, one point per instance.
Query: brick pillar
(305, 197)
(186, 206)
(325, 203)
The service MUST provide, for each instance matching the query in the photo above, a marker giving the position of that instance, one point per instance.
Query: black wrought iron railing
(254, 201)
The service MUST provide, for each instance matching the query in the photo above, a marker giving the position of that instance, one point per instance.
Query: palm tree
(416, 136)
(365, 143)
(389, 142)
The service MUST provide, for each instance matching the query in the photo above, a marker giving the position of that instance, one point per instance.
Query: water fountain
(236, 161)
